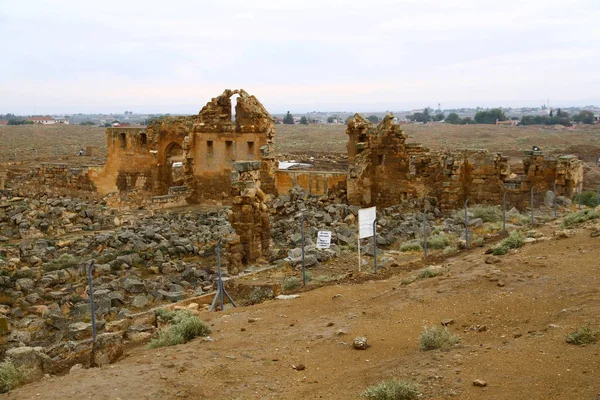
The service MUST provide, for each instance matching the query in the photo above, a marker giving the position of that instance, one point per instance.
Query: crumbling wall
(196, 151)
(58, 179)
(313, 182)
(249, 217)
(384, 170)
(3, 175)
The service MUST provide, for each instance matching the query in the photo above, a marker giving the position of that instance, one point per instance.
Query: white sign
(323, 239)
(366, 217)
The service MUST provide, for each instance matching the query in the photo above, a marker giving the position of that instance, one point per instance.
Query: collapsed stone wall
(385, 170)
(57, 178)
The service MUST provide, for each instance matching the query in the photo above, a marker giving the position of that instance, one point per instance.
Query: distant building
(61, 120)
(42, 120)
(510, 122)
(3, 122)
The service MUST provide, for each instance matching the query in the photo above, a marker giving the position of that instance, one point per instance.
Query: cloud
(67, 55)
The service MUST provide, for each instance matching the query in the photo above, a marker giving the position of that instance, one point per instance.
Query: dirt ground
(64, 141)
(512, 317)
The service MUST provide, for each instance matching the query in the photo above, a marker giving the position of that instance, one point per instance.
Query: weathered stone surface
(107, 349)
(32, 359)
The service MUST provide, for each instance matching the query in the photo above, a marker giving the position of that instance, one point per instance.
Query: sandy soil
(512, 318)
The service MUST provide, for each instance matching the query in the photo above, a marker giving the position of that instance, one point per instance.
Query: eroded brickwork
(196, 151)
(249, 217)
(384, 170)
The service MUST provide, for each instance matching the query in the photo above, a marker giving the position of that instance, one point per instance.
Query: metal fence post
(531, 205)
(91, 292)
(466, 225)
(375, 245)
(303, 266)
(504, 212)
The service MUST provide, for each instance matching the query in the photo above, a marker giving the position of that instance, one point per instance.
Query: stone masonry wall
(384, 171)
(249, 217)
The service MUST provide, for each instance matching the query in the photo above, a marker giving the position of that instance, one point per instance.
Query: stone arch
(173, 164)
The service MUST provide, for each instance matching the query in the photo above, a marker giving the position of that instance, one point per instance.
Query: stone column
(249, 216)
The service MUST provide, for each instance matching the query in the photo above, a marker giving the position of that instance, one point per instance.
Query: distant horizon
(306, 109)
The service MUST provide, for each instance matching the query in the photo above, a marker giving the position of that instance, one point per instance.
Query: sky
(71, 56)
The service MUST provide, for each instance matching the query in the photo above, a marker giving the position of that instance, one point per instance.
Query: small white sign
(366, 217)
(323, 239)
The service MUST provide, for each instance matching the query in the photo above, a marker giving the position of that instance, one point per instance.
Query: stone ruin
(2, 177)
(384, 170)
(249, 217)
(191, 156)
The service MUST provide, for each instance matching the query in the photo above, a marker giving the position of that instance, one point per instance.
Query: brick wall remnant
(384, 170)
(249, 217)
(193, 151)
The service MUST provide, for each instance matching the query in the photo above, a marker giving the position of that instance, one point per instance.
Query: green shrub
(165, 314)
(588, 198)
(259, 294)
(184, 327)
(437, 338)
(438, 242)
(63, 262)
(579, 217)
(583, 335)
(428, 273)
(514, 241)
(413, 245)
(291, 283)
(392, 389)
(10, 376)
(486, 213)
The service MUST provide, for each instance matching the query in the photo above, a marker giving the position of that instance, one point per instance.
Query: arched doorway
(174, 159)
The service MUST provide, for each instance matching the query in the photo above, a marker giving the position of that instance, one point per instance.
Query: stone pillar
(249, 217)
(2, 179)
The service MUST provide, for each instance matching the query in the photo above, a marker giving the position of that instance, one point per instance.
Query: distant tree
(288, 119)
(551, 114)
(373, 118)
(562, 114)
(107, 125)
(304, 120)
(453, 118)
(15, 121)
(439, 117)
(27, 122)
(331, 119)
(584, 117)
(490, 116)
(423, 117)
(88, 123)
(467, 121)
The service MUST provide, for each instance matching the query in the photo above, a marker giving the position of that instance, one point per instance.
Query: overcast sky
(68, 56)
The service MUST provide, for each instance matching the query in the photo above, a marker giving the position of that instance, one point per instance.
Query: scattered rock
(360, 343)
(479, 383)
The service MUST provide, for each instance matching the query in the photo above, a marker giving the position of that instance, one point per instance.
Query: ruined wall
(384, 170)
(3, 175)
(219, 141)
(203, 148)
(249, 217)
(313, 182)
(59, 179)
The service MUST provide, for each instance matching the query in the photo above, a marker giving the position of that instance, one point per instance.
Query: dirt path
(512, 317)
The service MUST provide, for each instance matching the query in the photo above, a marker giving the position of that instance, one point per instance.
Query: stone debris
(360, 343)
